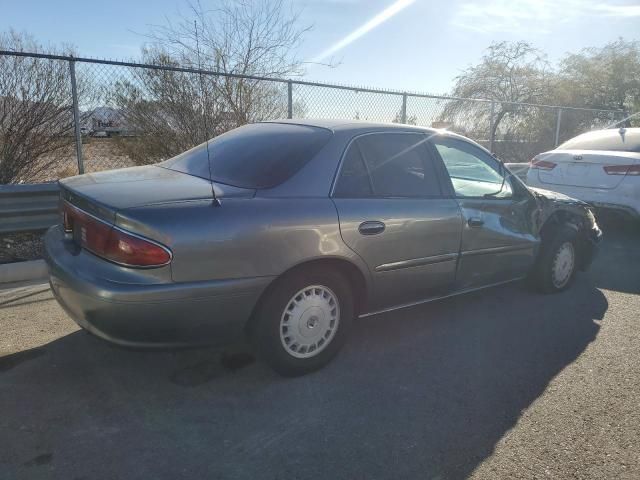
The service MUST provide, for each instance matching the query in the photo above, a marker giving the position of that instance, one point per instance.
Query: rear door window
(388, 165)
(354, 180)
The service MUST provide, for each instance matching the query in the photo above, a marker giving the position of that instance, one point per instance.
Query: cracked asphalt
(504, 383)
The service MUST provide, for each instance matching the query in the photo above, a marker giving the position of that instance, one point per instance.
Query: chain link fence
(60, 116)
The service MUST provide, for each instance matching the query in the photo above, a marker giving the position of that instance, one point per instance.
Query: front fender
(556, 209)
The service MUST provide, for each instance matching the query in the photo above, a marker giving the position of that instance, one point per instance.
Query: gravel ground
(98, 154)
(17, 247)
(503, 383)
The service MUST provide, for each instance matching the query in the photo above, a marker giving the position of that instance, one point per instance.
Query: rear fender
(243, 237)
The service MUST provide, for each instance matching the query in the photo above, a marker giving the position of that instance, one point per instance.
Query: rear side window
(605, 140)
(388, 165)
(354, 180)
(261, 155)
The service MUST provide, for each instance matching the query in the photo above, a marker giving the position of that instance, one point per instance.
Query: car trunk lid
(583, 168)
(114, 190)
(92, 203)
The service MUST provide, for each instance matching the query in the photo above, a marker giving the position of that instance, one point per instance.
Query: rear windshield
(260, 155)
(611, 140)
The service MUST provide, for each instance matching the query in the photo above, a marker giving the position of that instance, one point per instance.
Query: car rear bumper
(624, 198)
(151, 314)
(624, 209)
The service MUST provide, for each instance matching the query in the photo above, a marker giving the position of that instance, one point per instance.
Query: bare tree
(410, 120)
(235, 36)
(239, 37)
(166, 110)
(606, 78)
(172, 111)
(35, 111)
(508, 73)
(603, 78)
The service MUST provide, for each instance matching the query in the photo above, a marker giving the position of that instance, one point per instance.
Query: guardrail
(28, 208)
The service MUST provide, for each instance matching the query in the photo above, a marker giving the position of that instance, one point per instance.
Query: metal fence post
(76, 115)
(403, 112)
(492, 133)
(289, 99)
(559, 119)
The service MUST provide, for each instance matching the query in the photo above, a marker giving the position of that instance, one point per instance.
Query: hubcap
(309, 321)
(563, 264)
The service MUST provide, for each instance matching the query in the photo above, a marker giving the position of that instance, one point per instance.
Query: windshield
(626, 140)
(260, 155)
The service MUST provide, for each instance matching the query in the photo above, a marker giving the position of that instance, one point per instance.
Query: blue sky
(417, 45)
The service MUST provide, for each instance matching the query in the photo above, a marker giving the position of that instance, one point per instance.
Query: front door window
(473, 173)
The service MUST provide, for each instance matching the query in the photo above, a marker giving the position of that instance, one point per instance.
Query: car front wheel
(303, 321)
(556, 265)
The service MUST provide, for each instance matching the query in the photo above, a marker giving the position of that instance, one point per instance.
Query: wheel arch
(355, 276)
(559, 218)
(568, 218)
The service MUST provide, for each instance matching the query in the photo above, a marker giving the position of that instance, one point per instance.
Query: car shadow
(425, 392)
(618, 262)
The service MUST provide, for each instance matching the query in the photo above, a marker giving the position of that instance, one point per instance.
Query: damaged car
(283, 232)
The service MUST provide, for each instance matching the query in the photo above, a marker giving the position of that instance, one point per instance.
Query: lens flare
(379, 19)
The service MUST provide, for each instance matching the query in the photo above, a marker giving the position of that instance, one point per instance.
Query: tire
(284, 328)
(557, 261)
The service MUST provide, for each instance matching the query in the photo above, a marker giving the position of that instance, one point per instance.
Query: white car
(600, 167)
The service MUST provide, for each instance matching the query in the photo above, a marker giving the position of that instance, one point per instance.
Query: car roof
(634, 130)
(608, 136)
(357, 127)
(353, 125)
(610, 133)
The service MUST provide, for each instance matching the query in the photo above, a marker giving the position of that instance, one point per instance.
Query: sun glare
(379, 19)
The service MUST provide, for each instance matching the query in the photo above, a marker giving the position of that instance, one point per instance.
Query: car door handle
(475, 222)
(371, 228)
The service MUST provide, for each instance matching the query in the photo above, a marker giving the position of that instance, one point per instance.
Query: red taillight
(127, 249)
(622, 169)
(542, 164)
(112, 243)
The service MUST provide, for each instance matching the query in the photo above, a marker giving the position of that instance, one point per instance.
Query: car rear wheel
(303, 321)
(556, 265)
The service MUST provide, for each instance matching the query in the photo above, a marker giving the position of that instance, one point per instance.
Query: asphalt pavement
(503, 383)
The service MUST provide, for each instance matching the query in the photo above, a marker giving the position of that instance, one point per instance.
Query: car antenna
(203, 94)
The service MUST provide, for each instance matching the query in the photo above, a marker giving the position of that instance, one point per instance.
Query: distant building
(107, 121)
